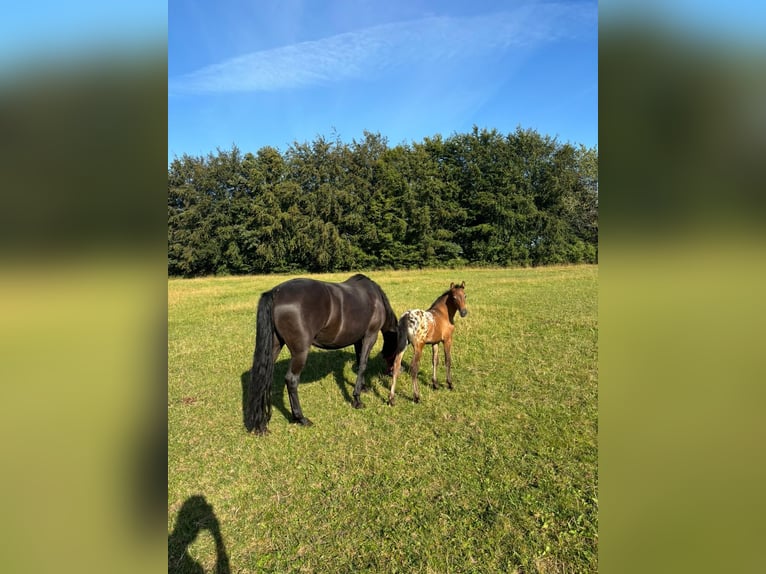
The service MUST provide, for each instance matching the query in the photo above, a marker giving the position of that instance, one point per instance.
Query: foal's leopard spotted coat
(420, 324)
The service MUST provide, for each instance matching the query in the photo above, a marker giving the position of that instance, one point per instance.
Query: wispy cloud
(368, 52)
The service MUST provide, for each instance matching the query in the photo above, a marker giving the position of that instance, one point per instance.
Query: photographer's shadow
(195, 515)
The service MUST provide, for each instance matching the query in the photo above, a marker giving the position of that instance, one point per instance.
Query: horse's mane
(391, 320)
(359, 277)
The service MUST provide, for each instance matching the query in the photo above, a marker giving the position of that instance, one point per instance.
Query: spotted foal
(430, 327)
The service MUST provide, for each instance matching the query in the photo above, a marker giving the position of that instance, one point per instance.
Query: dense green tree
(479, 197)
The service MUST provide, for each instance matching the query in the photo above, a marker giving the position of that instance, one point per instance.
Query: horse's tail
(403, 333)
(258, 403)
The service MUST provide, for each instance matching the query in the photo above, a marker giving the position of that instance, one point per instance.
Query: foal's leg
(297, 362)
(367, 343)
(435, 348)
(448, 359)
(397, 368)
(414, 367)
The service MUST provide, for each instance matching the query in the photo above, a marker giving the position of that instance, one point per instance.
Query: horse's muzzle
(463, 312)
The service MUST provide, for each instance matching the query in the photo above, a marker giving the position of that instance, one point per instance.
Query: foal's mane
(444, 295)
(439, 298)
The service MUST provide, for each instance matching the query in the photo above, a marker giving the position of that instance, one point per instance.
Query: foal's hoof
(357, 404)
(416, 399)
(390, 401)
(303, 421)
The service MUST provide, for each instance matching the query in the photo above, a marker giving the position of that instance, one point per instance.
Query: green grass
(498, 475)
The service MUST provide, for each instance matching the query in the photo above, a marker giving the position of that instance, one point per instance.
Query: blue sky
(45, 30)
(278, 71)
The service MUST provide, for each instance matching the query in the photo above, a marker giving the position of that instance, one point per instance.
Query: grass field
(498, 475)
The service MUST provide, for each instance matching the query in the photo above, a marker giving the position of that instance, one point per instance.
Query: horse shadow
(320, 363)
(196, 515)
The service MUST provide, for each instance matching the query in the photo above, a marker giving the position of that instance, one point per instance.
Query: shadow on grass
(195, 515)
(318, 366)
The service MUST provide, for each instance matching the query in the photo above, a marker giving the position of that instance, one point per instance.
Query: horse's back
(301, 308)
(354, 306)
(299, 292)
(327, 315)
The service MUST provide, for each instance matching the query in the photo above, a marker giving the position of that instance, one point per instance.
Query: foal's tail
(402, 333)
(258, 401)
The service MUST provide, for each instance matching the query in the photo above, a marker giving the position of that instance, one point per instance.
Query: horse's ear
(462, 285)
(451, 285)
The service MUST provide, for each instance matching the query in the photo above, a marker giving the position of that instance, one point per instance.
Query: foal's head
(457, 296)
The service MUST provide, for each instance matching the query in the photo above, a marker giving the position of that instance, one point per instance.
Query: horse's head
(457, 295)
(390, 340)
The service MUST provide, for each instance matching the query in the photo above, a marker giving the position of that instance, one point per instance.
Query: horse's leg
(397, 367)
(297, 362)
(435, 348)
(414, 367)
(358, 351)
(448, 359)
(366, 347)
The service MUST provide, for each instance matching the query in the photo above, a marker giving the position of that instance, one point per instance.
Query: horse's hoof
(416, 399)
(390, 401)
(358, 404)
(303, 422)
(261, 431)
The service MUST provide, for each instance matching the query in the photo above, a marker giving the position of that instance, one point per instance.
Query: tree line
(480, 198)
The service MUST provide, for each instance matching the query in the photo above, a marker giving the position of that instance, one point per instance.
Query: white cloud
(366, 53)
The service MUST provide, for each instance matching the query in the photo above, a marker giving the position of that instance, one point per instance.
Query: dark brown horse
(303, 312)
(431, 327)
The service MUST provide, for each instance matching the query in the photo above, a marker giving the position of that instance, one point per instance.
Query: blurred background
(83, 132)
(83, 137)
(682, 134)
